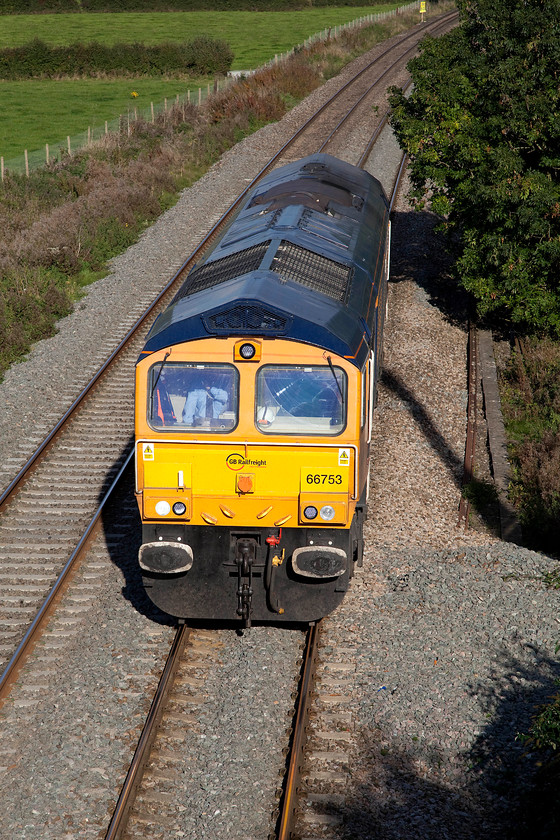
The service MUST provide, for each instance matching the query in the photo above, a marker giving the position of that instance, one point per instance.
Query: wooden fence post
(69, 149)
(47, 152)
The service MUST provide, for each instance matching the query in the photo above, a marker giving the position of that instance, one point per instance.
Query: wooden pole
(26, 163)
(47, 153)
(2, 166)
(68, 141)
(106, 127)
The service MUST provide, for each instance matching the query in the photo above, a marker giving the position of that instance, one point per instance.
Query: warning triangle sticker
(343, 457)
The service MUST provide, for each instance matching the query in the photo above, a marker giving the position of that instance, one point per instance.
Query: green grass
(39, 112)
(254, 37)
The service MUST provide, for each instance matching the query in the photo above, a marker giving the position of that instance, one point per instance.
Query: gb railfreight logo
(236, 462)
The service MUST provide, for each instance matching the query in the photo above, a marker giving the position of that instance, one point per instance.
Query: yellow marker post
(422, 10)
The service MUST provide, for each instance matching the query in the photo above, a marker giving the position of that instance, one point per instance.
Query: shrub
(201, 57)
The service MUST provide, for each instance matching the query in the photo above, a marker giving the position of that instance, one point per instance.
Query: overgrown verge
(530, 393)
(62, 224)
(36, 60)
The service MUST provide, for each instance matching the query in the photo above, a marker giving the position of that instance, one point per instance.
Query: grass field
(254, 37)
(40, 112)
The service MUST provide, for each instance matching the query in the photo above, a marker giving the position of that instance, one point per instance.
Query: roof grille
(291, 262)
(219, 271)
(246, 317)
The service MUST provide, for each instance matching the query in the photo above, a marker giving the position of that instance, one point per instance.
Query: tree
(482, 128)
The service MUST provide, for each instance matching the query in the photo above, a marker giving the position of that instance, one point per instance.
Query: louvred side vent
(292, 262)
(219, 271)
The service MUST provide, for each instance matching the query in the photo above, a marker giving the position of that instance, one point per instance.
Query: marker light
(163, 508)
(310, 512)
(327, 513)
(179, 508)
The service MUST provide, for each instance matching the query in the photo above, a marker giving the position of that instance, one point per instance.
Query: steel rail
(289, 801)
(133, 778)
(366, 93)
(27, 643)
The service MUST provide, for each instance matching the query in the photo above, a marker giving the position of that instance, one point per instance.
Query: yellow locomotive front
(249, 479)
(254, 399)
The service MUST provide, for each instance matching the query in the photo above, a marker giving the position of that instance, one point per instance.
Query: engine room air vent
(291, 262)
(219, 271)
(246, 318)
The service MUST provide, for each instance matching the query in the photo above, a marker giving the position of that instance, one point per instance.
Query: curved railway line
(43, 532)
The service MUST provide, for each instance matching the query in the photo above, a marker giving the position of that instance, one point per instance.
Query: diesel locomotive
(254, 399)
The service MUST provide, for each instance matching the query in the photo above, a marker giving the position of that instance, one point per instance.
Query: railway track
(139, 804)
(28, 492)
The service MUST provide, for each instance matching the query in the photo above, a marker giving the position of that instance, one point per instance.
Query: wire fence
(53, 152)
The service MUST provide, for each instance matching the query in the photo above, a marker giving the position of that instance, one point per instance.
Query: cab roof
(302, 260)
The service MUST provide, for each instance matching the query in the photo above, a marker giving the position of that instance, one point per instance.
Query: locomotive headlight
(327, 513)
(310, 512)
(163, 508)
(179, 508)
(247, 351)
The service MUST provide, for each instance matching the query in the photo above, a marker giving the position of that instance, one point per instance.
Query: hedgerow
(202, 56)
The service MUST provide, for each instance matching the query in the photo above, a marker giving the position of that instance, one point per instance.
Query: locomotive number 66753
(254, 399)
